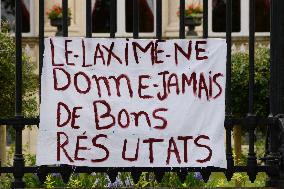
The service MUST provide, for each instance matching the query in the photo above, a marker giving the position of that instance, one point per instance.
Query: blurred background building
(124, 16)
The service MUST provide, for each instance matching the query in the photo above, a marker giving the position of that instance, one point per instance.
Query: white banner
(133, 103)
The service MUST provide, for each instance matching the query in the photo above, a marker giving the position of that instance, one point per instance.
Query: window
(219, 16)
(101, 16)
(262, 16)
(8, 14)
(240, 17)
(146, 16)
(124, 18)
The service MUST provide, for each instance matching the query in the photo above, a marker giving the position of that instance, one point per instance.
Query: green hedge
(240, 82)
(7, 79)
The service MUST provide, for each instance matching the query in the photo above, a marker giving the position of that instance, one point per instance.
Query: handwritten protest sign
(128, 102)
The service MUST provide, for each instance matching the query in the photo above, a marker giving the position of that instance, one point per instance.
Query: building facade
(101, 24)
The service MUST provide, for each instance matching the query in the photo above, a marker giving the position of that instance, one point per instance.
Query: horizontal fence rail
(251, 121)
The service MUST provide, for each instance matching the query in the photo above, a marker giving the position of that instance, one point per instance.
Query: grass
(239, 179)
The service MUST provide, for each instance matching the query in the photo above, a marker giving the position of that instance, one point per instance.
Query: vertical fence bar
(65, 18)
(18, 35)
(159, 19)
(251, 53)
(41, 41)
(273, 83)
(280, 59)
(112, 18)
(181, 19)
(18, 156)
(272, 94)
(271, 143)
(229, 154)
(274, 90)
(205, 18)
(252, 164)
(229, 57)
(275, 156)
(89, 18)
(135, 19)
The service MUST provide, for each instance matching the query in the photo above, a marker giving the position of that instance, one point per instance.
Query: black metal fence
(273, 156)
